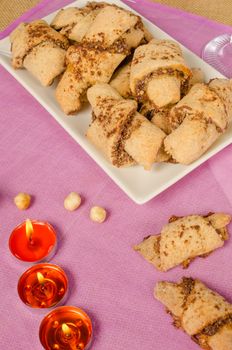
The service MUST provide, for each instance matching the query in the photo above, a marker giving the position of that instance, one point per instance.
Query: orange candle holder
(66, 328)
(33, 241)
(43, 286)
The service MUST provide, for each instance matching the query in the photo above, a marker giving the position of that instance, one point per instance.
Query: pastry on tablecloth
(40, 49)
(199, 311)
(124, 135)
(183, 239)
(159, 73)
(198, 120)
(109, 39)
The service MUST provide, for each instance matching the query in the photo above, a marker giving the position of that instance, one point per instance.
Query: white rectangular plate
(138, 184)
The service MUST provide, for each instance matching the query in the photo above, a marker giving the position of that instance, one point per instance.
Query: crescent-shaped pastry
(109, 39)
(115, 26)
(123, 134)
(40, 49)
(183, 239)
(85, 67)
(202, 313)
(198, 120)
(74, 22)
(159, 74)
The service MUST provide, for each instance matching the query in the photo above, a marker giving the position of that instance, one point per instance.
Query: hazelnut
(22, 200)
(97, 214)
(72, 201)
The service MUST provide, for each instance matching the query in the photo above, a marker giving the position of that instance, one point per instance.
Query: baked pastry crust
(159, 74)
(40, 49)
(202, 313)
(124, 135)
(183, 239)
(28, 35)
(198, 120)
(112, 35)
(145, 141)
(160, 116)
(45, 61)
(223, 88)
(111, 117)
(74, 22)
(121, 80)
(197, 77)
(85, 67)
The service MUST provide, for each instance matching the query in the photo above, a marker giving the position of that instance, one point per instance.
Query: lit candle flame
(29, 229)
(66, 330)
(40, 277)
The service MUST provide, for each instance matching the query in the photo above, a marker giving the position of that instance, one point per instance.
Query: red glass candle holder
(38, 246)
(43, 286)
(66, 328)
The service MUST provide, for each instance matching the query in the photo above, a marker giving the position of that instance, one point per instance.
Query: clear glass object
(218, 53)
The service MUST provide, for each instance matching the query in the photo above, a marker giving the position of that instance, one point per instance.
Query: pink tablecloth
(108, 279)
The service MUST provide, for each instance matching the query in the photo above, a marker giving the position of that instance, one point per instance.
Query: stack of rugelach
(169, 114)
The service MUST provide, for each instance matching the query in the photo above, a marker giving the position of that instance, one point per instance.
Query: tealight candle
(66, 328)
(33, 241)
(43, 286)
